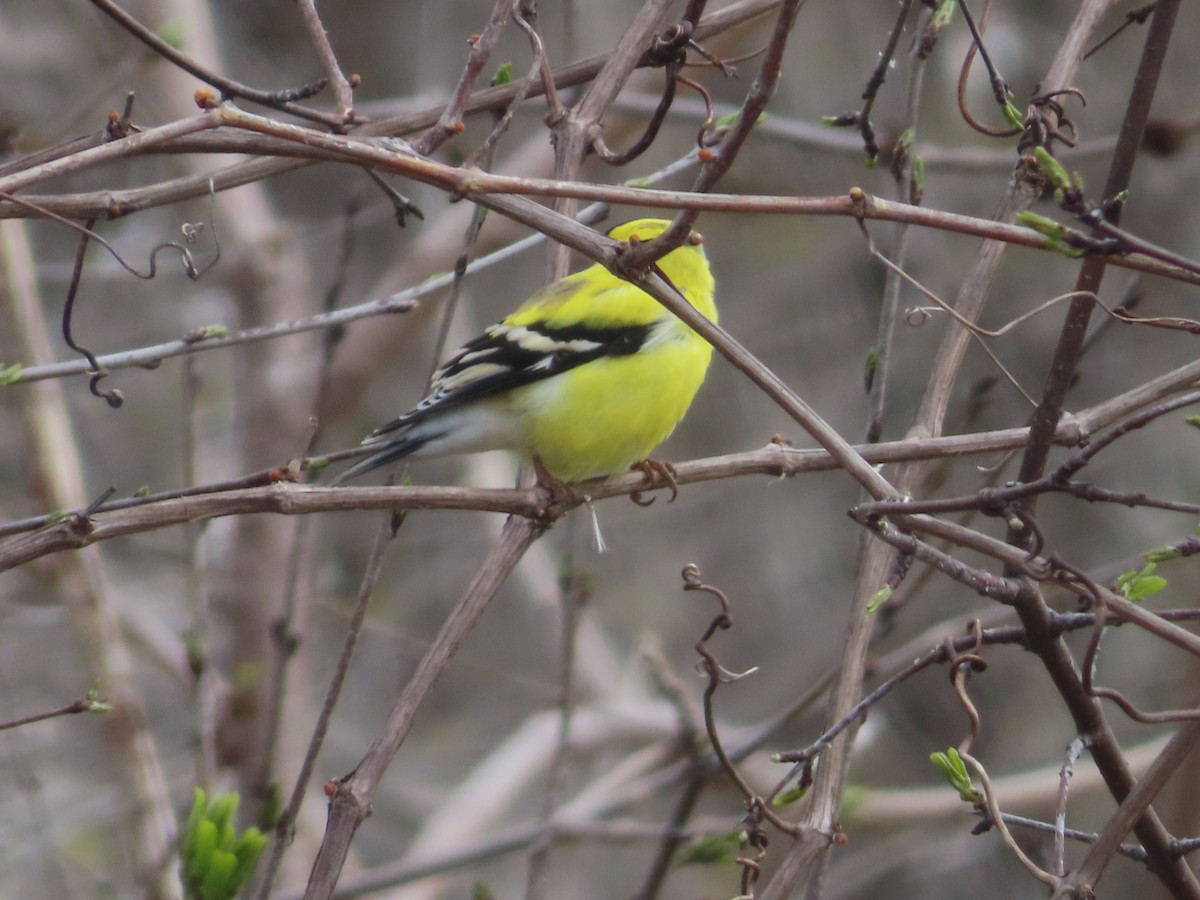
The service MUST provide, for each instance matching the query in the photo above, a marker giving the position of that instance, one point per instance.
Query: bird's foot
(558, 492)
(658, 474)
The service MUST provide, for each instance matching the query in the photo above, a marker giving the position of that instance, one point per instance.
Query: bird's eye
(624, 345)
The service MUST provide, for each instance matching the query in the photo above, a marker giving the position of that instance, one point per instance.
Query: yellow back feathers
(588, 376)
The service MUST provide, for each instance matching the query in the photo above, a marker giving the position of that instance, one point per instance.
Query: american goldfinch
(586, 378)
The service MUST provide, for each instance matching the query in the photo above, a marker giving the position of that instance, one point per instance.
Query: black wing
(509, 356)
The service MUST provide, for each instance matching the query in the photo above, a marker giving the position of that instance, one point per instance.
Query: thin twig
(879, 367)
(350, 797)
(286, 825)
(281, 100)
(450, 122)
(1134, 809)
(85, 704)
(343, 91)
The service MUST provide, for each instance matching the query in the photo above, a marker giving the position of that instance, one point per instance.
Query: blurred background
(802, 293)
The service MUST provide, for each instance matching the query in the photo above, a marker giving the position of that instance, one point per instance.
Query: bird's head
(686, 266)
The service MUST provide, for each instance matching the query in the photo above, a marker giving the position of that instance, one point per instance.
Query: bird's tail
(390, 452)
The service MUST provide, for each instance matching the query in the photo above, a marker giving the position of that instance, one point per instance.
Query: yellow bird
(585, 379)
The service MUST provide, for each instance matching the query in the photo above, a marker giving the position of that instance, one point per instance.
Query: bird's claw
(658, 474)
(557, 491)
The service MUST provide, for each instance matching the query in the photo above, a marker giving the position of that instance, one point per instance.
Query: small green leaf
(954, 770)
(880, 597)
(221, 810)
(1052, 169)
(1194, 421)
(1147, 587)
(723, 123)
(1040, 224)
(1053, 231)
(707, 851)
(203, 846)
(214, 858)
(1161, 554)
(790, 796)
(1136, 586)
(217, 881)
(199, 804)
(1013, 117)
(503, 74)
(247, 849)
(941, 18)
(9, 374)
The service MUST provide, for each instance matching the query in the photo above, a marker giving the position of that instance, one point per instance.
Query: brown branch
(1134, 809)
(86, 704)
(230, 88)
(575, 131)
(1085, 710)
(489, 190)
(350, 797)
(450, 122)
(497, 97)
(343, 91)
(1070, 344)
(825, 797)
(286, 825)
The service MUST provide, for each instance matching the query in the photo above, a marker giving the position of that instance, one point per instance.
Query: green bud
(708, 851)
(941, 18)
(203, 846)
(954, 770)
(790, 796)
(215, 860)
(880, 597)
(1052, 169)
(221, 809)
(1160, 554)
(217, 881)
(247, 850)
(1137, 586)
